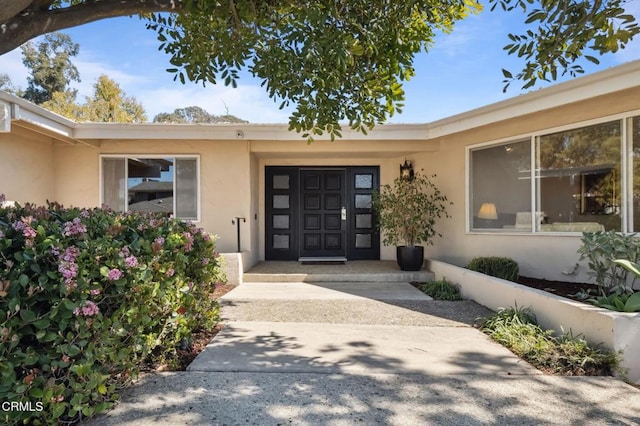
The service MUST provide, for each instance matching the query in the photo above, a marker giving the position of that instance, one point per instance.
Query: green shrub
(602, 251)
(86, 296)
(621, 302)
(568, 355)
(499, 267)
(441, 290)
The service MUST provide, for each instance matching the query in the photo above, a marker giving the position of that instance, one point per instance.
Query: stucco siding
(225, 188)
(76, 177)
(26, 166)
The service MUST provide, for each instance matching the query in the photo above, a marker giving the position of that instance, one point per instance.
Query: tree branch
(31, 22)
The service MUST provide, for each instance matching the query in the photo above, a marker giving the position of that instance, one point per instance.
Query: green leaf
(42, 323)
(633, 303)
(23, 280)
(27, 315)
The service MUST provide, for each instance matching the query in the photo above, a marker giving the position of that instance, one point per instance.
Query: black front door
(323, 213)
(320, 212)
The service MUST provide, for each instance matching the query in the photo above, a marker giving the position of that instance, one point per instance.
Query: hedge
(86, 296)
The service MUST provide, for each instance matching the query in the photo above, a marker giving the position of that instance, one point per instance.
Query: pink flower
(71, 254)
(114, 274)
(94, 292)
(88, 309)
(65, 358)
(29, 232)
(124, 251)
(170, 272)
(74, 227)
(205, 261)
(159, 240)
(189, 245)
(69, 270)
(131, 261)
(85, 213)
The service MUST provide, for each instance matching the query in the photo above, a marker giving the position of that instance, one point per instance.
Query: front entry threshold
(334, 259)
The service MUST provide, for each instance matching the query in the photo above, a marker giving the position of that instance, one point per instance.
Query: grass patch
(567, 355)
(441, 290)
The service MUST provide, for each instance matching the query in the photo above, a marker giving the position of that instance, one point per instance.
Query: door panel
(281, 192)
(304, 215)
(363, 237)
(322, 230)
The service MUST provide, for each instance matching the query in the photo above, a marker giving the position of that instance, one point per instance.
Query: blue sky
(461, 72)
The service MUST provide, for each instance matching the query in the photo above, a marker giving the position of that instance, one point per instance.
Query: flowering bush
(86, 296)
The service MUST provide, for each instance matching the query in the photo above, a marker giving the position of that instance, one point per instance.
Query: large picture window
(578, 179)
(164, 184)
(578, 176)
(501, 186)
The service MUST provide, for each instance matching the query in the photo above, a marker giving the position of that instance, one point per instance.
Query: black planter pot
(410, 258)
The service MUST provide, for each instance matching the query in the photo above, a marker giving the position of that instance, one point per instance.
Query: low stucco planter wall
(616, 331)
(235, 265)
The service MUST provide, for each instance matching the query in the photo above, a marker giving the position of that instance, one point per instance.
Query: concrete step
(350, 271)
(399, 276)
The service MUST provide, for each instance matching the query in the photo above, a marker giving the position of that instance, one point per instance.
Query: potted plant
(407, 212)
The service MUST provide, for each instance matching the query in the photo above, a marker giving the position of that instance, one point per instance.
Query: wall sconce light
(488, 211)
(406, 171)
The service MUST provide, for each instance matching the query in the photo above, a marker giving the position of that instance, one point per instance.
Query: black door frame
(283, 212)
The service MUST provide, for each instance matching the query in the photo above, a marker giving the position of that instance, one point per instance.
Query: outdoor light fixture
(488, 211)
(406, 171)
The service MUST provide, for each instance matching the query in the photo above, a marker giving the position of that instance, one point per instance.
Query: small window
(167, 185)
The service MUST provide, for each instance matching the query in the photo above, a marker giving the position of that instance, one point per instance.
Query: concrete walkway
(362, 353)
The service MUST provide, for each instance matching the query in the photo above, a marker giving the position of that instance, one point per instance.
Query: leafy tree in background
(194, 114)
(109, 104)
(50, 67)
(333, 60)
(64, 103)
(6, 85)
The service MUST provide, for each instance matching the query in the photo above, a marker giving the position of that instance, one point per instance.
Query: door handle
(343, 213)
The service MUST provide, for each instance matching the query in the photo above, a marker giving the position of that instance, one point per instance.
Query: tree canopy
(50, 67)
(194, 115)
(335, 61)
(109, 104)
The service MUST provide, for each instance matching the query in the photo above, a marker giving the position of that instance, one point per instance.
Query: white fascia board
(46, 123)
(28, 112)
(279, 132)
(601, 83)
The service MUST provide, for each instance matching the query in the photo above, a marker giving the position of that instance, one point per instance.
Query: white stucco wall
(26, 166)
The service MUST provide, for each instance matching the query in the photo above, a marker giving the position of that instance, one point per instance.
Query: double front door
(319, 213)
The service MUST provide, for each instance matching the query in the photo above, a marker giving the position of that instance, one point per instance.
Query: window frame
(125, 157)
(626, 170)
